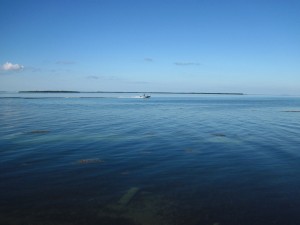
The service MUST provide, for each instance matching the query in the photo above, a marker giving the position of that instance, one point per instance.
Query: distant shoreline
(50, 92)
(137, 92)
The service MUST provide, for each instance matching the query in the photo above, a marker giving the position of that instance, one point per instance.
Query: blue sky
(158, 45)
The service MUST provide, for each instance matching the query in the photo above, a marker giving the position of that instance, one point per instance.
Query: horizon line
(134, 92)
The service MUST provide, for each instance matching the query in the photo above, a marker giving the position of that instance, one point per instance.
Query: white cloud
(11, 67)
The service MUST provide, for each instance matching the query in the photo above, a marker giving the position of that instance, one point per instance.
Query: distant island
(166, 92)
(49, 92)
(138, 92)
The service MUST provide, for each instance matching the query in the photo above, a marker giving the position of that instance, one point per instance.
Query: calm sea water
(167, 160)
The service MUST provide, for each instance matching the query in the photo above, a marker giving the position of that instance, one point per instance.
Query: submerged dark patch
(38, 132)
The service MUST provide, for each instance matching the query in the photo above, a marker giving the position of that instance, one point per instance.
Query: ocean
(116, 159)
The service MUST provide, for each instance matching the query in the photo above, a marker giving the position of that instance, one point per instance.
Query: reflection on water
(212, 160)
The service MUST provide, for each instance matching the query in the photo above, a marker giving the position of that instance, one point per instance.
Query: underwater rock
(222, 138)
(146, 152)
(122, 204)
(128, 196)
(188, 150)
(109, 220)
(125, 172)
(90, 161)
(151, 209)
(219, 135)
(38, 132)
(144, 208)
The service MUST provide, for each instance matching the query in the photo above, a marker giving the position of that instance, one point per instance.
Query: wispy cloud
(33, 69)
(65, 62)
(11, 67)
(148, 59)
(140, 82)
(92, 77)
(103, 77)
(187, 64)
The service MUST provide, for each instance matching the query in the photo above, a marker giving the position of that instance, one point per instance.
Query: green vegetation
(137, 92)
(49, 91)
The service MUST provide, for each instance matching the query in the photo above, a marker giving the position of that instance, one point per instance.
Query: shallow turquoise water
(195, 160)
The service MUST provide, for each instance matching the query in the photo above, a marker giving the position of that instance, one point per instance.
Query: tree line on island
(138, 92)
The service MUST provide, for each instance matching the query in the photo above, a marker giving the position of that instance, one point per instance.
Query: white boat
(145, 96)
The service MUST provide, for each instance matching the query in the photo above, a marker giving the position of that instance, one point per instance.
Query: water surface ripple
(226, 160)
